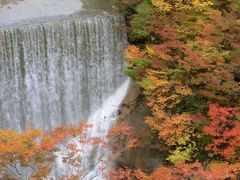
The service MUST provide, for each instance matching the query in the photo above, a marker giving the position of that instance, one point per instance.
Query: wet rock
(132, 112)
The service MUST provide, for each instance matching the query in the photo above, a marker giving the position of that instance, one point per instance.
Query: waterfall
(57, 72)
(102, 120)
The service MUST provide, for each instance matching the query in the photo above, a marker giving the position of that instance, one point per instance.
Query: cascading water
(103, 119)
(56, 70)
(92, 156)
(60, 71)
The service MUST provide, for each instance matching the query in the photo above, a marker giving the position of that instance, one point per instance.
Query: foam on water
(101, 120)
(58, 72)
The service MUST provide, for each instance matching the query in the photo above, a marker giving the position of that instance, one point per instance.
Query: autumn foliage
(186, 59)
(31, 154)
(215, 171)
(224, 130)
(185, 55)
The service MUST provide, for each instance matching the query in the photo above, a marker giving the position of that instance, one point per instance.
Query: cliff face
(132, 112)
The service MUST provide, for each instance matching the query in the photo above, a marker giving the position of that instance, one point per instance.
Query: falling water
(58, 64)
(102, 120)
(57, 72)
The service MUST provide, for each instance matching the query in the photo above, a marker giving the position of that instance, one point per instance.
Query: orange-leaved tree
(31, 154)
(214, 171)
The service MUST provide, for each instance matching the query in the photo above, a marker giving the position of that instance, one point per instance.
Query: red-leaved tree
(224, 130)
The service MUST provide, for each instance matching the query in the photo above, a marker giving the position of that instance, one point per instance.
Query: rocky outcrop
(132, 112)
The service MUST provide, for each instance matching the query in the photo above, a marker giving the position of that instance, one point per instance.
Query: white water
(59, 71)
(102, 120)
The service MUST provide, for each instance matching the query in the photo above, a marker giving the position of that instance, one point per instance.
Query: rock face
(132, 112)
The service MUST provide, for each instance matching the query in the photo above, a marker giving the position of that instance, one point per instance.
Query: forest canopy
(185, 56)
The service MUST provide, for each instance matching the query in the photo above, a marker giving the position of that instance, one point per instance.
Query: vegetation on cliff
(185, 56)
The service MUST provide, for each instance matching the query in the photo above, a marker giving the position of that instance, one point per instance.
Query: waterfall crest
(58, 72)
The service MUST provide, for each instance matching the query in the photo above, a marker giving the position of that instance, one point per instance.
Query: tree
(224, 129)
(185, 57)
(31, 154)
(215, 171)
